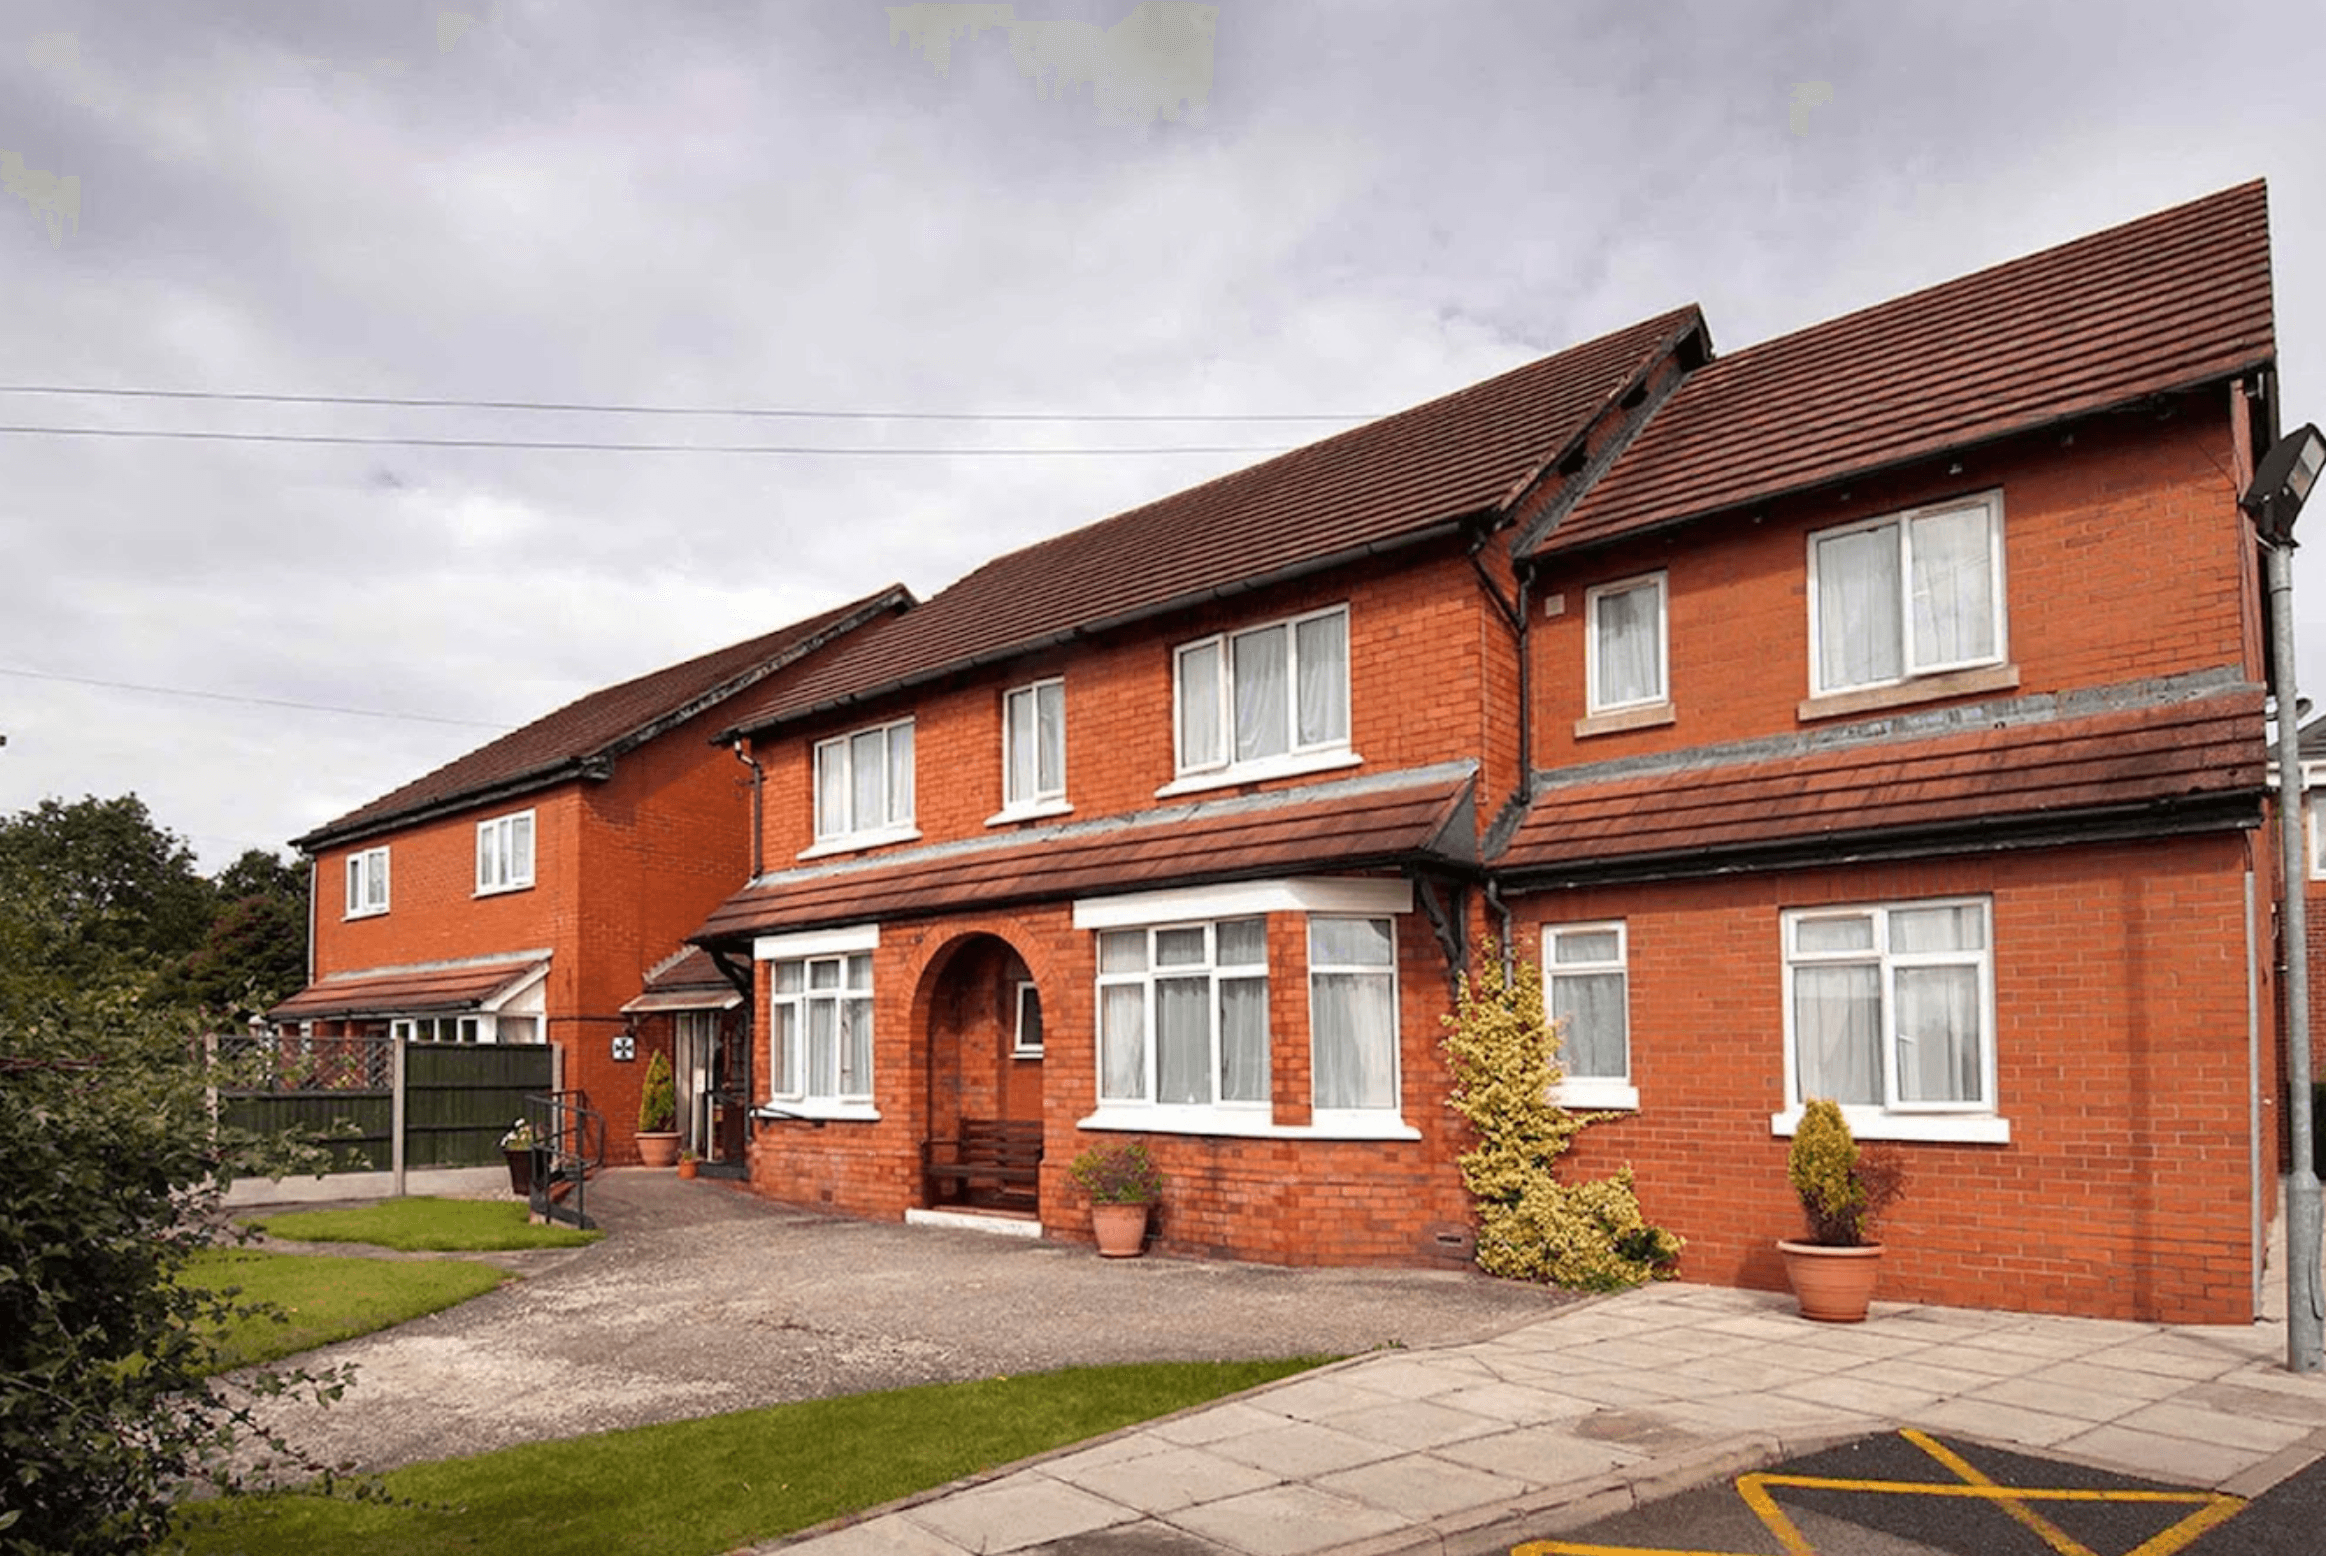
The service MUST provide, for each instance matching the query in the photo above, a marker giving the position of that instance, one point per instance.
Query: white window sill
(1651, 715)
(1874, 1124)
(1253, 1123)
(1039, 810)
(858, 842)
(503, 891)
(366, 913)
(1295, 766)
(1025, 1053)
(1920, 688)
(821, 1108)
(1590, 1095)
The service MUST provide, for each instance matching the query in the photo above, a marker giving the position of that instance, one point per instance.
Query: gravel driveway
(704, 1298)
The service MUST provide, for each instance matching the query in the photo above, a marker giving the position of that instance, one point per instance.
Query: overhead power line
(579, 445)
(257, 702)
(789, 413)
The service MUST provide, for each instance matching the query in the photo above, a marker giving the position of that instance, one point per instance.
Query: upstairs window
(1033, 746)
(1911, 594)
(1183, 1014)
(367, 882)
(505, 853)
(1266, 697)
(864, 784)
(1625, 651)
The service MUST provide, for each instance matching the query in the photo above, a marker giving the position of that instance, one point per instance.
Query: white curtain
(823, 1048)
(1858, 637)
(1592, 1043)
(1629, 647)
(1050, 738)
(855, 1048)
(1025, 765)
(1355, 1048)
(1263, 706)
(1322, 649)
(1939, 1058)
(1183, 1040)
(900, 777)
(832, 789)
(1243, 1039)
(1837, 1022)
(783, 1051)
(1122, 1042)
(1953, 588)
(1199, 707)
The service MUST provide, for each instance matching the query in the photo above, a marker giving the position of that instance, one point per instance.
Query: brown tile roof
(2122, 763)
(686, 981)
(606, 723)
(1371, 488)
(2174, 300)
(1334, 827)
(405, 991)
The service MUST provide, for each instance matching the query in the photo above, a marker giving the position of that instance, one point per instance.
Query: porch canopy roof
(401, 991)
(2020, 772)
(1421, 816)
(689, 980)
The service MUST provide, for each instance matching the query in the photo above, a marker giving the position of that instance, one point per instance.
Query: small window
(864, 783)
(1352, 1013)
(1892, 1008)
(1028, 1042)
(367, 882)
(1033, 746)
(1267, 695)
(1625, 653)
(1590, 995)
(1912, 594)
(505, 853)
(443, 1029)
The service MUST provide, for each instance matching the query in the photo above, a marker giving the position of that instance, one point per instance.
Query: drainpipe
(758, 782)
(1502, 910)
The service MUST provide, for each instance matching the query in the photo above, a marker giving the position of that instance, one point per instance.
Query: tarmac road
(705, 1299)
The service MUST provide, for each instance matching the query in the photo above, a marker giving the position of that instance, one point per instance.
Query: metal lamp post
(2281, 484)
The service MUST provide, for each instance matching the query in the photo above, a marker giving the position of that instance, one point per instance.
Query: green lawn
(323, 1298)
(422, 1222)
(695, 1488)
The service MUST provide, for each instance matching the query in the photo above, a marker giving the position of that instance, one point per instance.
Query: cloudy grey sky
(1264, 208)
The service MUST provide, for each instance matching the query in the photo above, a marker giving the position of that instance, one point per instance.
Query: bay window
(1272, 698)
(1352, 1005)
(820, 1029)
(1183, 1015)
(1910, 594)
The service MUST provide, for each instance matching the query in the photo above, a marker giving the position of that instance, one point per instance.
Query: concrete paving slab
(892, 1534)
(2238, 1396)
(1987, 1363)
(1630, 1387)
(1288, 1521)
(2102, 1378)
(1870, 1393)
(2183, 1418)
(1311, 1399)
(1021, 1510)
(1165, 1481)
(1419, 1378)
(1515, 1405)
(1997, 1422)
(1743, 1371)
(1414, 1425)
(1540, 1455)
(2169, 1355)
(2079, 1404)
(1422, 1486)
(1302, 1450)
(1236, 1418)
(2175, 1460)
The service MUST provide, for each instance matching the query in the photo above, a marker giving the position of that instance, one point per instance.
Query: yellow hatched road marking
(2213, 1508)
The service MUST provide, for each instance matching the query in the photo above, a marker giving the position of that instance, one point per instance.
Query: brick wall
(2121, 989)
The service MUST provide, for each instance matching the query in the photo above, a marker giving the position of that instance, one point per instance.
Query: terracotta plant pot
(1833, 1284)
(520, 1170)
(687, 1169)
(1121, 1230)
(658, 1149)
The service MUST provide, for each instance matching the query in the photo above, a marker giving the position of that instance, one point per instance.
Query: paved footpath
(1471, 1448)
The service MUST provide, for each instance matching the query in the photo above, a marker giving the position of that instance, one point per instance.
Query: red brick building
(524, 892)
(1875, 713)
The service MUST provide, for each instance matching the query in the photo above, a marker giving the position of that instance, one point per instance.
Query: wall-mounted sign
(625, 1047)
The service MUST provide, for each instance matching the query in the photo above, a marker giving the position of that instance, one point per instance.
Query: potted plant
(658, 1114)
(1122, 1182)
(688, 1164)
(1841, 1189)
(517, 1149)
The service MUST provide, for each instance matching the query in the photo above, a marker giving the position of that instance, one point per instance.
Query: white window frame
(1214, 974)
(1592, 598)
(1296, 758)
(1977, 1120)
(1395, 1105)
(367, 869)
(1592, 1091)
(496, 853)
(2312, 772)
(847, 833)
(1025, 1035)
(787, 1058)
(1991, 502)
(1041, 800)
(464, 1027)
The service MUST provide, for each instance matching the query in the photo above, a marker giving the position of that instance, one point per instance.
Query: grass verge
(323, 1298)
(694, 1488)
(423, 1222)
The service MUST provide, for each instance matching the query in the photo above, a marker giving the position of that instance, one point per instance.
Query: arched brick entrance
(983, 1013)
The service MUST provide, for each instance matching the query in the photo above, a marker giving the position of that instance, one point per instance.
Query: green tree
(254, 952)
(111, 886)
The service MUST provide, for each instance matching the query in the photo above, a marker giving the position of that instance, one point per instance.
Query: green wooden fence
(459, 1101)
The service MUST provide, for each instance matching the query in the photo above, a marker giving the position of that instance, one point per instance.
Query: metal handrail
(569, 1145)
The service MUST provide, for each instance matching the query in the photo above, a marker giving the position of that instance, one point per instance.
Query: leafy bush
(658, 1103)
(1118, 1175)
(1531, 1225)
(1841, 1187)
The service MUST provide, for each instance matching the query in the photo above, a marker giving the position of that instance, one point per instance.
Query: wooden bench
(995, 1162)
